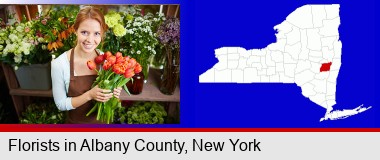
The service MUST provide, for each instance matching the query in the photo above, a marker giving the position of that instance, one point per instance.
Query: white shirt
(60, 75)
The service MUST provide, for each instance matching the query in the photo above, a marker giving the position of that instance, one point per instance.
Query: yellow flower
(112, 19)
(119, 30)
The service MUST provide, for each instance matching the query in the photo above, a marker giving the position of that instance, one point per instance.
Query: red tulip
(118, 54)
(120, 60)
(99, 59)
(107, 65)
(111, 59)
(91, 65)
(138, 68)
(118, 68)
(107, 54)
(129, 73)
(133, 62)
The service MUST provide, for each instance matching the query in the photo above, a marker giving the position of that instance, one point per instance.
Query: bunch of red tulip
(115, 72)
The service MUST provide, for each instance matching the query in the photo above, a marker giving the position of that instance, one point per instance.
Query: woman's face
(88, 35)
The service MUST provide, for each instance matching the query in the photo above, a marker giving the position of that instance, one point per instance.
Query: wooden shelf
(151, 92)
(25, 92)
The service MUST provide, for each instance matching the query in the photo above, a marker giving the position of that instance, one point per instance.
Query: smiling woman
(71, 78)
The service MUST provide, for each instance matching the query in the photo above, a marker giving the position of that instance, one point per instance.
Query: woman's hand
(116, 92)
(98, 94)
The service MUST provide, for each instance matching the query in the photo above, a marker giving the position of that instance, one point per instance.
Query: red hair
(90, 12)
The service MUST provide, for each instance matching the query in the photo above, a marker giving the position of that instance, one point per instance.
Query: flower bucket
(34, 77)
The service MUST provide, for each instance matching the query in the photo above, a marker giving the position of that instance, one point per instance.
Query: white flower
(25, 47)
(130, 31)
(40, 39)
(18, 58)
(13, 37)
(20, 29)
(138, 52)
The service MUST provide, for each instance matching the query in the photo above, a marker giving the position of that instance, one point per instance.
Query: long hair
(89, 12)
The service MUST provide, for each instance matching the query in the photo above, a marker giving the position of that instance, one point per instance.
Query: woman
(71, 78)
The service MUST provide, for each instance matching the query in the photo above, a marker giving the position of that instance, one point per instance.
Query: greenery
(133, 33)
(16, 43)
(39, 40)
(142, 113)
(56, 30)
(42, 113)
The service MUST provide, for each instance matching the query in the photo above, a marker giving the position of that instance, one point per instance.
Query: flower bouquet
(16, 44)
(169, 36)
(116, 72)
(133, 33)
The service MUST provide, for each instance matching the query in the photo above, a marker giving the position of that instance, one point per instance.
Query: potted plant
(42, 113)
(29, 46)
(142, 113)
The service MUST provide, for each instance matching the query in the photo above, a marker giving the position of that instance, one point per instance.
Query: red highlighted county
(325, 67)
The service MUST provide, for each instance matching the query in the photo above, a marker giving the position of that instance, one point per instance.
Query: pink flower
(44, 21)
(27, 29)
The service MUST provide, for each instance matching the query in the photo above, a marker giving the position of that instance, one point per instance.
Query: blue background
(208, 25)
(250, 25)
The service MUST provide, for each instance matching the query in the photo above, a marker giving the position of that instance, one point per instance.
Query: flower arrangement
(116, 72)
(16, 43)
(169, 36)
(39, 40)
(168, 33)
(55, 30)
(132, 33)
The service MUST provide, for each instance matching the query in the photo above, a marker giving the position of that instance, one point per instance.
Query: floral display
(133, 33)
(39, 40)
(55, 30)
(16, 43)
(116, 71)
(169, 35)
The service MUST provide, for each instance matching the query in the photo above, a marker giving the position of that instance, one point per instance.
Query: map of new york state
(307, 52)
